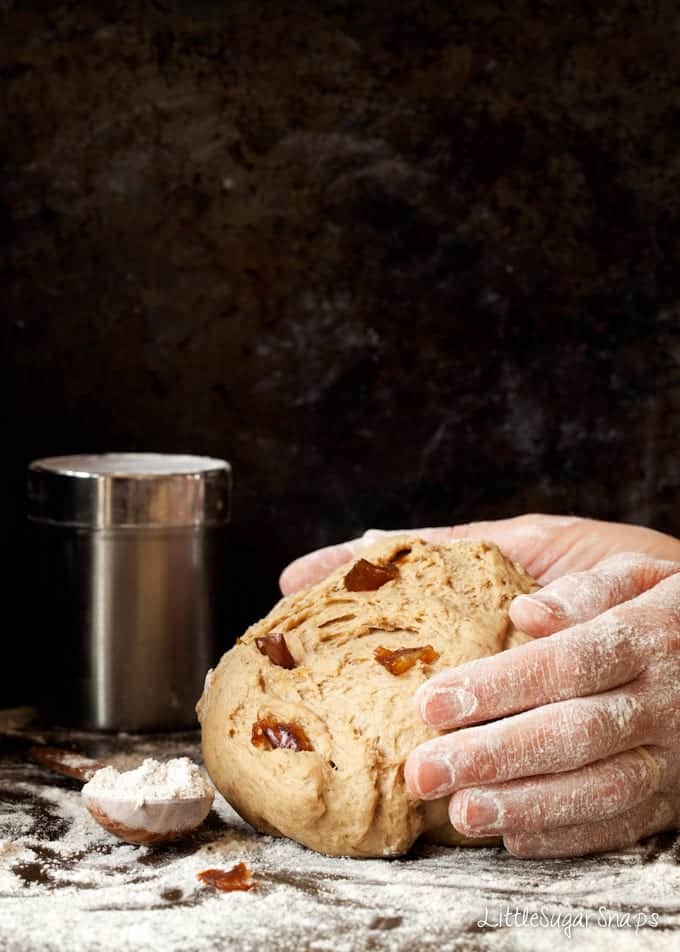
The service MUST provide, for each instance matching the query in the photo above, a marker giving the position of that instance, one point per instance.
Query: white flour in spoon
(177, 779)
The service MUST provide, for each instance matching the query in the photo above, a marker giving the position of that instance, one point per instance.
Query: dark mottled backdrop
(401, 263)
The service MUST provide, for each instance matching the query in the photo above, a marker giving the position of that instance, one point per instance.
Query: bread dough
(347, 795)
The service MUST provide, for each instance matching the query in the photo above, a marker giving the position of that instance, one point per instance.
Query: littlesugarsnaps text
(516, 917)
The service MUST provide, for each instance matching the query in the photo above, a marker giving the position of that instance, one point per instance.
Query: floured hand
(547, 546)
(587, 757)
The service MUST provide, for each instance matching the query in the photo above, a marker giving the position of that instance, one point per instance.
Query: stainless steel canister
(127, 551)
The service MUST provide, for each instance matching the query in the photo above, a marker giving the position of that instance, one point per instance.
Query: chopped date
(275, 648)
(365, 576)
(237, 879)
(270, 734)
(403, 659)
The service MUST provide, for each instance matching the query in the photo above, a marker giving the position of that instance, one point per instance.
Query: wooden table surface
(67, 885)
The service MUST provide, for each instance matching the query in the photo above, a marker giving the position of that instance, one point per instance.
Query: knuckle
(542, 672)
(670, 638)
(659, 687)
(482, 763)
(597, 727)
(639, 778)
(643, 570)
(548, 520)
(658, 630)
(667, 760)
(665, 731)
(668, 623)
(594, 654)
(529, 518)
(530, 810)
(627, 561)
(580, 587)
(628, 829)
(626, 716)
(664, 600)
(608, 654)
(553, 667)
(625, 782)
(576, 726)
(664, 814)
(370, 535)
(612, 791)
(573, 657)
(617, 833)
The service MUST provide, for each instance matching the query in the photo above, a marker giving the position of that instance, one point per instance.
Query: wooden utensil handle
(66, 762)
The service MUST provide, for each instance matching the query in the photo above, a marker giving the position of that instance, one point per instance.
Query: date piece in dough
(342, 791)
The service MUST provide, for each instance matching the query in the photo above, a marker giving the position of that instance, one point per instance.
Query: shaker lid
(112, 490)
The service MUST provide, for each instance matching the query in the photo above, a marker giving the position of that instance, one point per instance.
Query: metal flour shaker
(126, 554)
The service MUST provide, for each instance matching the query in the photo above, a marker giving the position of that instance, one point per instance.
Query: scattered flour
(66, 885)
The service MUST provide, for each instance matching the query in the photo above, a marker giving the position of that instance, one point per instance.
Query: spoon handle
(66, 762)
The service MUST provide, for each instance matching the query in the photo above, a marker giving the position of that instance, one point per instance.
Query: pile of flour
(153, 780)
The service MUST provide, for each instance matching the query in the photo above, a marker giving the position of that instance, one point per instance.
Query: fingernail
(433, 778)
(446, 706)
(480, 812)
(546, 605)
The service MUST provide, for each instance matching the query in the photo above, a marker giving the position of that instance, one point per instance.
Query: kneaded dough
(347, 795)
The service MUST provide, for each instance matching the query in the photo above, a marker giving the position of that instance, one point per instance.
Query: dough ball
(307, 721)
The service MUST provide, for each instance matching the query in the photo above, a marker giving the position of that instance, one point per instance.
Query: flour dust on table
(66, 886)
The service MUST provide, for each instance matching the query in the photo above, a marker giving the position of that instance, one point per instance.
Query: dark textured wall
(401, 263)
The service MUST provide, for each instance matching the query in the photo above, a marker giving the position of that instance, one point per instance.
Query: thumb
(581, 596)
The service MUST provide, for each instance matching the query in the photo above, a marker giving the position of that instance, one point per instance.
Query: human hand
(588, 755)
(547, 546)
